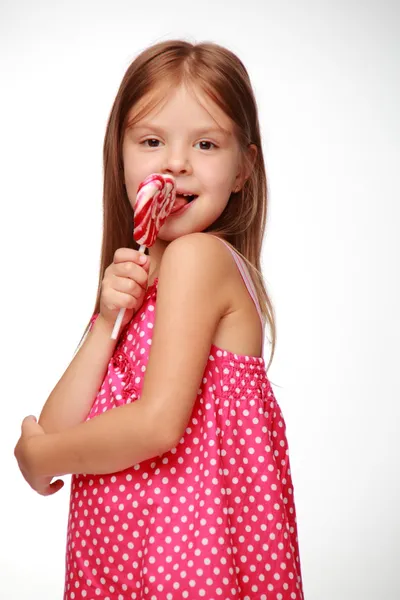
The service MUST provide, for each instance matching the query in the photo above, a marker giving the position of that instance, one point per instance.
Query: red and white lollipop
(154, 202)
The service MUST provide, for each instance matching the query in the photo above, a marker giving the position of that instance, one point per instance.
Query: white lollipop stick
(121, 313)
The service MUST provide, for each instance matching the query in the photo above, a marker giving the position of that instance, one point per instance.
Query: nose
(177, 161)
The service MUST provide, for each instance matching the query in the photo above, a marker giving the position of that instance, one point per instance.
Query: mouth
(182, 202)
(187, 197)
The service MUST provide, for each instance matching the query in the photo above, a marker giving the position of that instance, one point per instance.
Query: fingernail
(143, 259)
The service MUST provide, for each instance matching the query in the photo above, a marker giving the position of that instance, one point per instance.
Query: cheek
(221, 175)
(222, 184)
(131, 185)
(136, 169)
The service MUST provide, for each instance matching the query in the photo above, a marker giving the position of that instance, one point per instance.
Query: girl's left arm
(192, 298)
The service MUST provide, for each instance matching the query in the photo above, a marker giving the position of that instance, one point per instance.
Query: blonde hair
(222, 76)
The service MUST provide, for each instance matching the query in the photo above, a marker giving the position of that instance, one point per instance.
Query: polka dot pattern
(212, 518)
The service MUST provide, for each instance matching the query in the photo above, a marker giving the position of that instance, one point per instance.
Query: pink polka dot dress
(214, 517)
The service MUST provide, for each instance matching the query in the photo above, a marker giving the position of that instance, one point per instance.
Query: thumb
(146, 265)
(30, 425)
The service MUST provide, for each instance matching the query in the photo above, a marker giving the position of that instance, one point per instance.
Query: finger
(29, 424)
(132, 271)
(124, 254)
(146, 265)
(116, 300)
(56, 486)
(127, 255)
(127, 286)
(52, 489)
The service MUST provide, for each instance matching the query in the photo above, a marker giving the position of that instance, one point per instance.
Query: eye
(205, 142)
(151, 140)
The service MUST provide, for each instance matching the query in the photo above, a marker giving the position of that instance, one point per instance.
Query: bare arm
(191, 273)
(72, 398)
(123, 286)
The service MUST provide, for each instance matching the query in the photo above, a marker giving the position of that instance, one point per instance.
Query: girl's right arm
(71, 400)
(124, 286)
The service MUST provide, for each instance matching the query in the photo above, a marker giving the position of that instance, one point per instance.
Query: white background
(326, 76)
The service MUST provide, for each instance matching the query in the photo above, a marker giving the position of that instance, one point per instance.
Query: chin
(172, 231)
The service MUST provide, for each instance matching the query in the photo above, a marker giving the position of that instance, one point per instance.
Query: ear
(247, 167)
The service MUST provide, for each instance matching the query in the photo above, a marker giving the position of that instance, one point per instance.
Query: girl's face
(193, 142)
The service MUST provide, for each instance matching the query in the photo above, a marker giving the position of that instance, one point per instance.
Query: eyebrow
(197, 132)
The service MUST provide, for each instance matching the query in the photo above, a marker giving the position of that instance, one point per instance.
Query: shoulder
(197, 246)
(197, 259)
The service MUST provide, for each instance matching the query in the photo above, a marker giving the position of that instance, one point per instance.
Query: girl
(185, 490)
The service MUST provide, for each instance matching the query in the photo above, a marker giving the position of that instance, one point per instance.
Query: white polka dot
(223, 492)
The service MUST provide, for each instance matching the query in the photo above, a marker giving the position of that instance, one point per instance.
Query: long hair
(220, 74)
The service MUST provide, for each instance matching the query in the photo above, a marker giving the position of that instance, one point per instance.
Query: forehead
(167, 97)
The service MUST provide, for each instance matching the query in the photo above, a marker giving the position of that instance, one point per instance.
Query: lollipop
(154, 202)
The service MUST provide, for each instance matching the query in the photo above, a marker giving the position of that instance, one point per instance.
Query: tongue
(180, 202)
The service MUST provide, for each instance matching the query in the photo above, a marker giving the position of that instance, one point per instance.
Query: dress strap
(244, 271)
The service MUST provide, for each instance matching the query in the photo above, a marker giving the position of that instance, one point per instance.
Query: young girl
(185, 490)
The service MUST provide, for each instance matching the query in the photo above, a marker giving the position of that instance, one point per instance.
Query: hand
(124, 285)
(25, 452)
